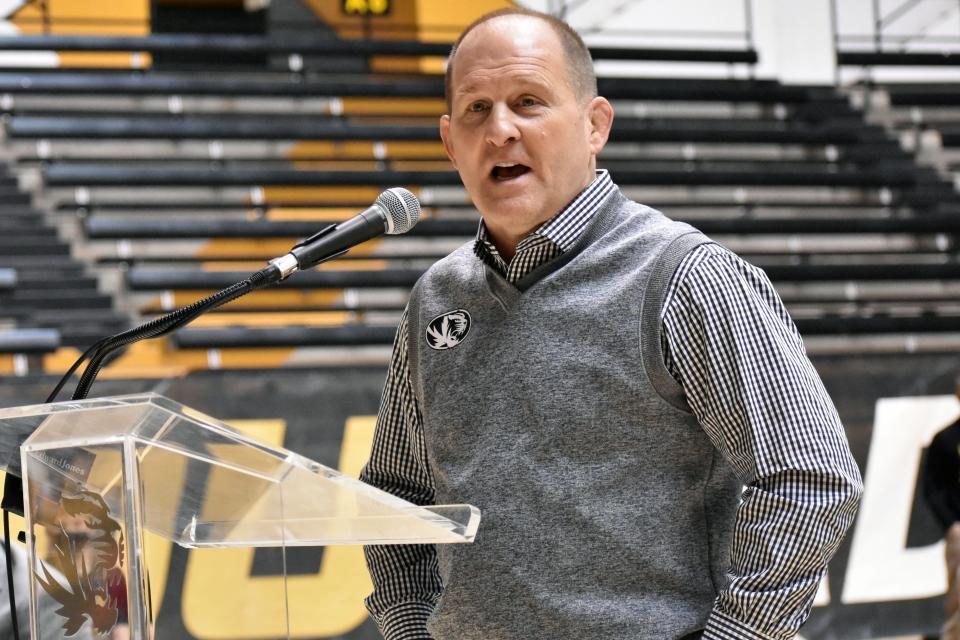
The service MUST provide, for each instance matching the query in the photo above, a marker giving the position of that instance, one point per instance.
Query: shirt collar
(563, 229)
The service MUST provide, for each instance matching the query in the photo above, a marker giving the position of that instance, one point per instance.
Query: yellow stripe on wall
(328, 603)
(428, 21)
(396, 64)
(399, 24)
(6, 364)
(86, 17)
(118, 60)
(157, 359)
(333, 265)
(333, 194)
(317, 151)
(328, 149)
(335, 165)
(445, 13)
(416, 149)
(319, 214)
(423, 165)
(90, 17)
(393, 106)
(245, 248)
(267, 298)
(274, 319)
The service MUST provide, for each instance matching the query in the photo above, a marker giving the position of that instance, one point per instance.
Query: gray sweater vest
(606, 510)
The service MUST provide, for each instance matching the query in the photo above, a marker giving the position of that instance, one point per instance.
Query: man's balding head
(523, 132)
(579, 64)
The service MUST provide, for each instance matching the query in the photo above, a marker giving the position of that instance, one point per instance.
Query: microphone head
(400, 208)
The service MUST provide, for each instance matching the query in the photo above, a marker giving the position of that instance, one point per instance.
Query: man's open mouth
(508, 171)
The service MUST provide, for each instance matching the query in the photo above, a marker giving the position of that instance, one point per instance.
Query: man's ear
(445, 136)
(599, 122)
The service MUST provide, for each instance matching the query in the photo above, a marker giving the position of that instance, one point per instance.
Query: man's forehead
(516, 41)
(518, 70)
(521, 29)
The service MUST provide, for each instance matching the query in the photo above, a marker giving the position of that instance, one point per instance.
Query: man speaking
(627, 402)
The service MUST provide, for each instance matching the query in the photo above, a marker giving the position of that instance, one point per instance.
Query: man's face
(522, 140)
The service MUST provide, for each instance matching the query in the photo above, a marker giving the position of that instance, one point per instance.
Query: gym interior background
(156, 151)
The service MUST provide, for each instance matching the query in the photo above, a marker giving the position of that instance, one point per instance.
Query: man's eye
(527, 101)
(476, 107)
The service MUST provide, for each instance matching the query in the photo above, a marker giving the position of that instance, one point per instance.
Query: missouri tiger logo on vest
(448, 330)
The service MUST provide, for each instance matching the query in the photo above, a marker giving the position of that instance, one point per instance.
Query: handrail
(894, 59)
(29, 340)
(891, 49)
(252, 84)
(116, 176)
(220, 43)
(108, 228)
(324, 45)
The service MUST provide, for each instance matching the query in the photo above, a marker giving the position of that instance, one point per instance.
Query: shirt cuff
(722, 627)
(406, 621)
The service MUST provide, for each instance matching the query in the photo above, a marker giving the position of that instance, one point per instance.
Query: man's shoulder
(703, 248)
(646, 217)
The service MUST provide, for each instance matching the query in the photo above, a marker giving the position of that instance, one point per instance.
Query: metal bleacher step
(37, 235)
(92, 316)
(40, 262)
(16, 211)
(793, 178)
(19, 212)
(82, 337)
(56, 317)
(13, 196)
(65, 299)
(32, 275)
(23, 225)
(29, 340)
(39, 280)
(32, 247)
(230, 337)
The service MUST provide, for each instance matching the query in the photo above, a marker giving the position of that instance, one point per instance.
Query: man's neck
(506, 243)
(506, 240)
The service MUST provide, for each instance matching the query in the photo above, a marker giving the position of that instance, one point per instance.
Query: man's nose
(501, 127)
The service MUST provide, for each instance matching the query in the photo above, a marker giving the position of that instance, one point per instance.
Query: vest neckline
(508, 295)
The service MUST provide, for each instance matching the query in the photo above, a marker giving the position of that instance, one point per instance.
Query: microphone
(395, 211)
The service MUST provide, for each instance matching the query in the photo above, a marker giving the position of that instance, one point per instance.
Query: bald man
(627, 402)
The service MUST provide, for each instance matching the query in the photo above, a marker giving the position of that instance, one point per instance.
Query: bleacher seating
(47, 299)
(176, 184)
(8, 279)
(924, 116)
(28, 340)
(221, 45)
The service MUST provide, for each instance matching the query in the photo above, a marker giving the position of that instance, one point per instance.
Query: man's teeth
(507, 164)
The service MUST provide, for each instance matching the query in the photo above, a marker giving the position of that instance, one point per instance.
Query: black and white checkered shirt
(735, 374)
(551, 238)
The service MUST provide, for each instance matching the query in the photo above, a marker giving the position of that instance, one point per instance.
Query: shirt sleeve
(732, 346)
(406, 580)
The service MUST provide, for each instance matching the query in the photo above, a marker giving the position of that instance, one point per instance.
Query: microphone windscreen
(401, 208)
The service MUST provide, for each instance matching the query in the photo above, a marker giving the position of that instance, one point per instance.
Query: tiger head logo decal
(91, 583)
(448, 330)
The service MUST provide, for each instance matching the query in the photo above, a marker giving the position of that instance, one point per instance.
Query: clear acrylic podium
(97, 481)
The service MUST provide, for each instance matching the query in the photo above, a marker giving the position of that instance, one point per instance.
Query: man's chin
(508, 209)
(514, 224)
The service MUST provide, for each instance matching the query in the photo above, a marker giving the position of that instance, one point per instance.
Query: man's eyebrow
(531, 80)
(465, 89)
